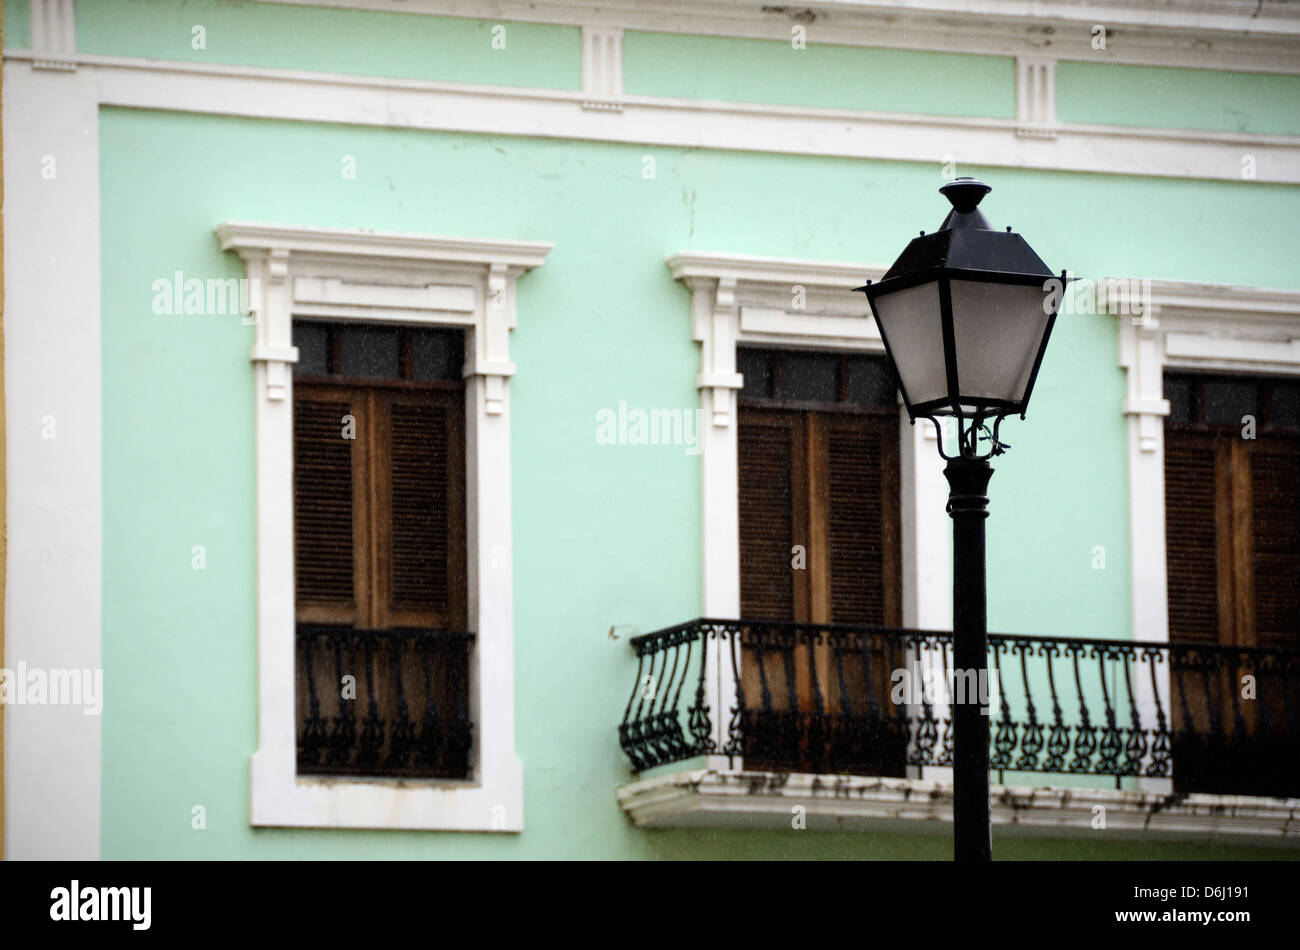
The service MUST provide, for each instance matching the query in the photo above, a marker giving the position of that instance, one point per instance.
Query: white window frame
(345, 274)
(739, 300)
(1182, 325)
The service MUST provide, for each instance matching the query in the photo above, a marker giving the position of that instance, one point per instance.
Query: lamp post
(965, 314)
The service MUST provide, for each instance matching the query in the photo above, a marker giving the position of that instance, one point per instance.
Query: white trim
(54, 582)
(720, 798)
(369, 275)
(54, 34)
(740, 300)
(602, 68)
(1240, 35)
(297, 95)
(1036, 97)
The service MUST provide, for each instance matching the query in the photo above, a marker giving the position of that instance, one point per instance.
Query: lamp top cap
(965, 195)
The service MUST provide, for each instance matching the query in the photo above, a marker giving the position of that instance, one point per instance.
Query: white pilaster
(54, 454)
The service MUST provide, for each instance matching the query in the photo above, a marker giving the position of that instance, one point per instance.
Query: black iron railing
(390, 703)
(873, 701)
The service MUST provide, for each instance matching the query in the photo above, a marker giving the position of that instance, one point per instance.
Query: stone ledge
(733, 799)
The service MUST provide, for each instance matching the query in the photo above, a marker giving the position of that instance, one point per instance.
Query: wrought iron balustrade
(384, 703)
(874, 701)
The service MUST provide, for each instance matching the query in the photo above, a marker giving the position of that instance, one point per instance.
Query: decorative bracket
(1139, 353)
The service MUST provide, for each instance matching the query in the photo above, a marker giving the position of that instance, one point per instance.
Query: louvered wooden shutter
(323, 502)
(1191, 537)
(768, 453)
(425, 516)
(1275, 518)
(856, 485)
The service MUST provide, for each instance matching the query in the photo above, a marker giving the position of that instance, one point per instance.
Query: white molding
(297, 95)
(1036, 97)
(1244, 35)
(734, 799)
(55, 520)
(742, 300)
(54, 34)
(350, 274)
(602, 68)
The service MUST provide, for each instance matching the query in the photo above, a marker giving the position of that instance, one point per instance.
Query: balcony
(383, 703)
(794, 710)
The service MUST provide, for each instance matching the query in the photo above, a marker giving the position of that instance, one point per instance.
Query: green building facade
(628, 193)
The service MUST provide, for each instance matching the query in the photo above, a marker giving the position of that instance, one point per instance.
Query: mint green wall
(843, 77)
(1177, 98)
(398, 45)
(18, 24)
(603, 534)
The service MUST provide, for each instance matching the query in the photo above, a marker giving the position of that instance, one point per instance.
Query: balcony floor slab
(714, 798)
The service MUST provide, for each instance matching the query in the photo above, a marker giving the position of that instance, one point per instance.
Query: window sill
(281, 798)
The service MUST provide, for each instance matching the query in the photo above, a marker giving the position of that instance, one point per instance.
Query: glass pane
(313, 342)
(371, 352)
(1286, 405)
(998, 329)
(910, 322)
(1178, 390)
(755, 366)
(436, 354)
(810, 377)
(1226, 401)
(871, 381)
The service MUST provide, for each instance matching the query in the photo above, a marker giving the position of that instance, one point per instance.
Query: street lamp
(965, 314)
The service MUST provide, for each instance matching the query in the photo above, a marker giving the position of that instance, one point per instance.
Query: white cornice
(304, 96)
(1243, 35)
(1224, 311)
(770, 270)
(243, 236)
(755, 800)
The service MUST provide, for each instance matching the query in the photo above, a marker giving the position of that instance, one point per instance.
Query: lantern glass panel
(911, 324)
(997, 329)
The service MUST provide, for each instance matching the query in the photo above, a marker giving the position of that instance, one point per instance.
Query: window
(335, 285)
(1232, 488)
(819, 523)
(379, 521)
(1232, 533)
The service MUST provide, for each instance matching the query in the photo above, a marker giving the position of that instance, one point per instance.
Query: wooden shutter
(1275, 517)
(323, 505)
(770, 457)
(422, 542)
(1191, 537)
(861, 475)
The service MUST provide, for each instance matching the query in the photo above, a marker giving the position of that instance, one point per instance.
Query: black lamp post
(965, 314)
